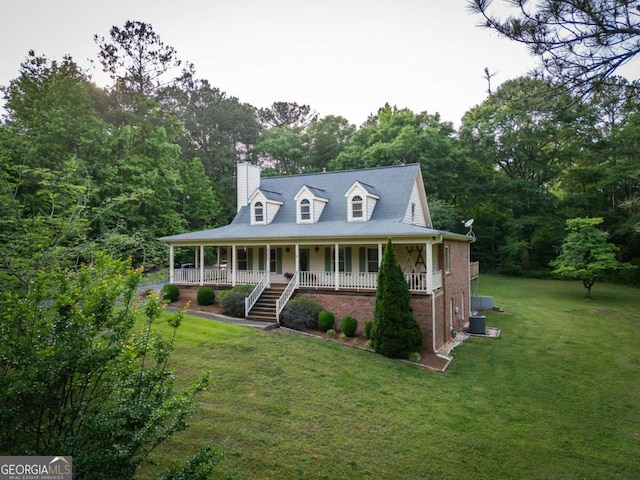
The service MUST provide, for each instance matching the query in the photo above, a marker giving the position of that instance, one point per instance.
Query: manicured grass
(556, 397)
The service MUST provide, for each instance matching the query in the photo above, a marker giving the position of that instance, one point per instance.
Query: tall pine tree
(395, 332)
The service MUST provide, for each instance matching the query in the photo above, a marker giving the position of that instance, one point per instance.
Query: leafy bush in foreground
(85, 327)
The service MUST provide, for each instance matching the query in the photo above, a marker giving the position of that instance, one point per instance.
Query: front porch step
(264, 309)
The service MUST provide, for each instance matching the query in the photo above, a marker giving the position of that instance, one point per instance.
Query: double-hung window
(305, 210)
(356, 207)
(258, 212)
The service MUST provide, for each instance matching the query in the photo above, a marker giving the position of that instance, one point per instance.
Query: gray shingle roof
(392, 184)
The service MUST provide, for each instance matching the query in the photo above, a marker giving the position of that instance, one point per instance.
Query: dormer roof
(316, 193)
(267, 195)
(362, 187)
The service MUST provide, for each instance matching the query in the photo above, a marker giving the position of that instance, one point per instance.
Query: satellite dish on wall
(469, 225)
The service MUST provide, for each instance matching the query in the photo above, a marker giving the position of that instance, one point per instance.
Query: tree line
(86, 168)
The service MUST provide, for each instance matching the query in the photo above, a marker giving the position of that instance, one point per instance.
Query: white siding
(371, 204)
(418, 214)
(317, 207)
(271, 210)
(248, 181)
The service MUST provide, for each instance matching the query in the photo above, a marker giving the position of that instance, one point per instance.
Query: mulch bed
(428, 359)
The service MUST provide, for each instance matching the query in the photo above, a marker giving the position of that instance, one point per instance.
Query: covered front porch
(338, 266)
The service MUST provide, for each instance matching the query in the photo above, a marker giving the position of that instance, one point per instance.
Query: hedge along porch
(323, 234)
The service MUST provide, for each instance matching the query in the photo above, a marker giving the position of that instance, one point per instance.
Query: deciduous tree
(76, 376)
(586, 254)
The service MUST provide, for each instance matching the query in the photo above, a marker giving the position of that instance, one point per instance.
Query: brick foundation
(360, 305)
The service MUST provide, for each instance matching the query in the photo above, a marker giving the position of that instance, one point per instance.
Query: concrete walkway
(222, 318)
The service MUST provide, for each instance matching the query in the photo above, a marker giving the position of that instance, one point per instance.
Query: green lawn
(556, 397)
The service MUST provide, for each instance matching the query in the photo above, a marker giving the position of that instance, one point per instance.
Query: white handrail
(253, 297)
(286, 295)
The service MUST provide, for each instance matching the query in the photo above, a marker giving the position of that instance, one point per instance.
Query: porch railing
(474, 269)
(216, 276)
(253, 297)
(348, 280)
(248, 277)
(316, 279)
(286, 295)
(358, 280)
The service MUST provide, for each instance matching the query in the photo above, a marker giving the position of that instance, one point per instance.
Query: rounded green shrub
(232, 303)
(367, 329)
(206, 296)
(326, 319)
(170, 292)
(301, 314)
(348, 326)
(414, 357)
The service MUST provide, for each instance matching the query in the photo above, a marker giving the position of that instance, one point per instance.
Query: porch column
(336, 261)
(234, 264)
(267, 262)
(429, 261)
(297, 268)
(171, 261)
(379, 255)
(201, 257)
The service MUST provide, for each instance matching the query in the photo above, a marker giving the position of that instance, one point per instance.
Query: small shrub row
(327, 319)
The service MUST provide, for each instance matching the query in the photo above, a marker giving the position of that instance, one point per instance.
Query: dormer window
(361, 201)
(264, 206)
(258, 212)
(309, 204)
(356, 207)
(305, 210)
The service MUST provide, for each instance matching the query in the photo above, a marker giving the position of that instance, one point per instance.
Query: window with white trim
(356, 207)
(258, 212)
(447, 260)
(305, 210)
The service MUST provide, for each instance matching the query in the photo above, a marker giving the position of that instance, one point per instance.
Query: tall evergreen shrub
(395, 332)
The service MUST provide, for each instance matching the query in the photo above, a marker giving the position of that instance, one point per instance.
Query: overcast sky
(341, 57)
